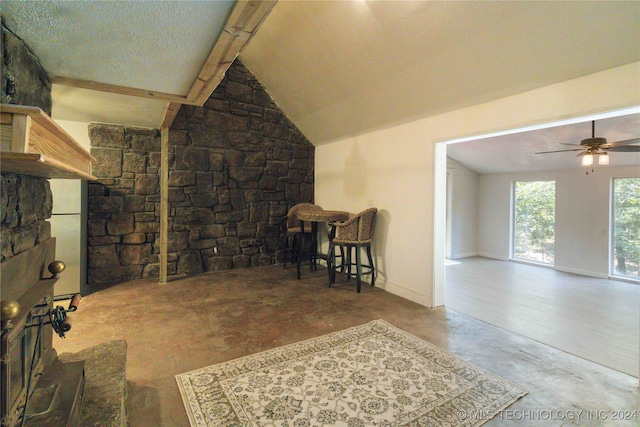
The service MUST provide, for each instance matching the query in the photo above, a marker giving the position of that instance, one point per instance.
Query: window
(625, 238)
(534, 213)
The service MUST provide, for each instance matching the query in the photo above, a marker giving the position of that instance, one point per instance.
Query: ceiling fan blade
(625, 149)
(560, 151)
(626, 142)
(573, 145)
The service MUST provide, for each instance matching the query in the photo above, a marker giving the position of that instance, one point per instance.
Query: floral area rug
(369, 375)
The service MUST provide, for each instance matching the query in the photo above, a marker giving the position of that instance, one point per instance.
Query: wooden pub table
(315, 217)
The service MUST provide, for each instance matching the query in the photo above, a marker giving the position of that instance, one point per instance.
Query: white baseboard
(404, 292)
(464, 255)
(399, 290)
(493, 256)
(581, 272)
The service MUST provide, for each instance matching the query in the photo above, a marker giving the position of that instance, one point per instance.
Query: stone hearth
(105, 390)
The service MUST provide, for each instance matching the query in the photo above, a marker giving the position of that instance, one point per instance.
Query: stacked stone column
(25, 206)
(124, 205)
(25, 201)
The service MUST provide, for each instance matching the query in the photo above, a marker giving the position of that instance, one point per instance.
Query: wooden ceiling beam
(243, 22)
(120, 90)
(170, 114)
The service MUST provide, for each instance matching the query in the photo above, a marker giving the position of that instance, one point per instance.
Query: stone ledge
(106, 388)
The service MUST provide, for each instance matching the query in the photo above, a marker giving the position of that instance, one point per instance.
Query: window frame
(612, 232)
(512, 228)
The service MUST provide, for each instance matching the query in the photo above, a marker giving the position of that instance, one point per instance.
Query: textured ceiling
(340, 69)
(152, 45)
(86, 106)
(516, 152)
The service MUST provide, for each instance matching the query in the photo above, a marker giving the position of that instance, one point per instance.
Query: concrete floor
(198, 321)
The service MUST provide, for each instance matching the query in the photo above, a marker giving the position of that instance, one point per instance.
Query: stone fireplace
(34, 388)
(30, 372)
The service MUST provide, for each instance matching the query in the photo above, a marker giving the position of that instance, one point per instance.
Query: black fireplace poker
(58, 316)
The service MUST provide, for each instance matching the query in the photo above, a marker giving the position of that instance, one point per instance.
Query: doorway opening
(442, 231)
(440, 189)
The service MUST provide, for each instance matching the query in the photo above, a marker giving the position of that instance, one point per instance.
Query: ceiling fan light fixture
(603, 159)
(587, 159)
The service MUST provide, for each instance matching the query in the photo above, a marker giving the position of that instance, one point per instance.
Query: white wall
(68, 221)
(492, 222)
(395, 170)
(463, 204)
(582, 215)
(355, 174)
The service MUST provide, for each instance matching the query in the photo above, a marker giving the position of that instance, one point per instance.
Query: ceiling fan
(593, 146)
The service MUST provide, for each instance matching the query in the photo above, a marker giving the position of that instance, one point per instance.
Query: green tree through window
(534, 216)
(626, 227)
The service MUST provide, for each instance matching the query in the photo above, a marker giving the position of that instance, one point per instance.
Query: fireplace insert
(36, 389)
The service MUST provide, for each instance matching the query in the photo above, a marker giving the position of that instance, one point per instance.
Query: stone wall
(25, 206)
(236, 165)
(25, 201)
(24, 81)
(124, 205)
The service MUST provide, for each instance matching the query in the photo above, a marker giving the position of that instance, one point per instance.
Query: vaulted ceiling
(336, 68)
(344, 68)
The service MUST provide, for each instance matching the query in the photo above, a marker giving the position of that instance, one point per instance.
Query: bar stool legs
(312, 250)
(347, 264)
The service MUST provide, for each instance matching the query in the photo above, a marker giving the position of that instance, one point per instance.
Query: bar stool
(293, 232)
(355, 233)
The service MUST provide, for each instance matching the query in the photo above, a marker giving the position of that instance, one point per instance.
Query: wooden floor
(596, 319)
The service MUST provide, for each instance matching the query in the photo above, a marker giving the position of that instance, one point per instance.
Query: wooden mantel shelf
(33, 144)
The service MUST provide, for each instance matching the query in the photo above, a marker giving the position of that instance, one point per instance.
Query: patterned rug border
(333, 336)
